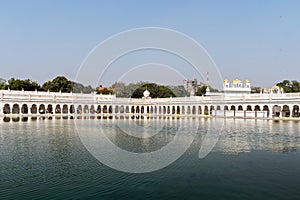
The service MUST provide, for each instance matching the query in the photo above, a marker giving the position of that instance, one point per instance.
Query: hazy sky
(255, 40)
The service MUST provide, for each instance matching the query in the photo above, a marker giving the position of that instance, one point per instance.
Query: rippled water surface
(253, 159)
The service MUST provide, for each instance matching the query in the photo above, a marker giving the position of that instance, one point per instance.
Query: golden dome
(236, 81)
(275, 87)
(225, 81)
(247, 81)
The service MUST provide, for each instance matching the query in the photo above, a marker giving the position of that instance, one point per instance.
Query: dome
(146, 93)
(247, 81)
(225, 81)
(236, 81)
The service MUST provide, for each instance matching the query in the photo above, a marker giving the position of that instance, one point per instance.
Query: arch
(240, 107)
(33, 109)
(92, 109)
(286, 111)
(6, 109)
(211, 108)
(265, 108)
(137, 109)
(168, 110)
(173, 110)
(122, 110)
(72, 109)
(65, 109)
(249, 108)
(127, 109)
(142, 109)
(49, 109)
(151, 109)
(110, 109)
(218, 107)
(188, 110)
(85, 109)
(160, 110)
(42, 109)
(225, 107)
(164, 110)
(104, 109)
(199, 110)
(276, 110)
(79, 109)
(24, 109)
(206, 111)
(183, 110)
(15, 109)
(194, 110)
(232, 107)
(256, 108)
(296, 111)
(57, 109)
(132, 109)
(98, 109)
(178, 110)
(116, 109)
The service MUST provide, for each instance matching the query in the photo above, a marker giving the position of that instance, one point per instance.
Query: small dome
(247, 81)
(275, 87)
(146, 93)
(225, 81)
(236, 81)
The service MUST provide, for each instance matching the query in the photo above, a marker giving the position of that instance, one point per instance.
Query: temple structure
(236, 101)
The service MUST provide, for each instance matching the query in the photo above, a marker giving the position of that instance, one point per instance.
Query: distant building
(191, 86)
(100, 89)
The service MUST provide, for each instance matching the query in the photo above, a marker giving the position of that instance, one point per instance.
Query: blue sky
(256, 40)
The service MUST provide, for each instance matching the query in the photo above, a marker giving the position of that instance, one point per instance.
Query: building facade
(235, 102)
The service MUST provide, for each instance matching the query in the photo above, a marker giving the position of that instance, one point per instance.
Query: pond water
(252, 159)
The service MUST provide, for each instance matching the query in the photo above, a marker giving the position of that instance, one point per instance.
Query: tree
(201, 91)
(105, 91)
(126, 91)
(179, 90)
(156, 91)
(289, 86)
(27, 84)
(60, 83)
(255, 89)
(78, 88)
(3, 85)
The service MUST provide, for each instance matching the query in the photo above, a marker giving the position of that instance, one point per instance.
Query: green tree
(27, 84)
(78, 88)
(126, 91)
(156, 91)
(201, 91)
(60, 83)
(105, 91)
(3, 85)
(289, 86)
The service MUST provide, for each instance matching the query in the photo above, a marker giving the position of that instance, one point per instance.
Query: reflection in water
(241, 135)
(236, 135)
(45, 159)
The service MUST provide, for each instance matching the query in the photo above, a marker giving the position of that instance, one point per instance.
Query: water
(253, 159)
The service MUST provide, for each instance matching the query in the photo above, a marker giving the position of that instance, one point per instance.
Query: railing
(58, 97)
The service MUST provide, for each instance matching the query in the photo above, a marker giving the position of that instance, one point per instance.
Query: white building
(236, 87)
